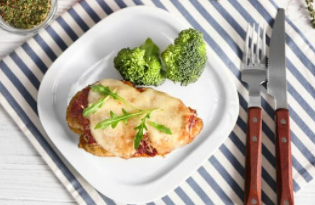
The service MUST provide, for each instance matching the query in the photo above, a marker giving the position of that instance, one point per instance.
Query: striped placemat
(221, 178)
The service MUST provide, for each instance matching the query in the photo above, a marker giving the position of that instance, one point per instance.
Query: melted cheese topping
(119, 141)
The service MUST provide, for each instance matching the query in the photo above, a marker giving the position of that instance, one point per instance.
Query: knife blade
(277, 87)
(276, 74)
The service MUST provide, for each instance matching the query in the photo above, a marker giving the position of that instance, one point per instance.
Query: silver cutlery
(253, 72)
(277, 87)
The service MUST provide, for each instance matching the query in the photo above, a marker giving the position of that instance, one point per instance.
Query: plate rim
(144, 9)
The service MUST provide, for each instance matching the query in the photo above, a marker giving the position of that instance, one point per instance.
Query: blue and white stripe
(221, 178)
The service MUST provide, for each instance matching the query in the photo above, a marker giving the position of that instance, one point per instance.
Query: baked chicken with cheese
(126, 121)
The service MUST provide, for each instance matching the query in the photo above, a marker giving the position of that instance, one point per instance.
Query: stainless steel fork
(253, 72)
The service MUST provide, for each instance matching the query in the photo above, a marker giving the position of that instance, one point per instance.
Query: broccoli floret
(141, 65)
(186, 58)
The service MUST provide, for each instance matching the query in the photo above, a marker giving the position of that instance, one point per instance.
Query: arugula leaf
(106, 91)
(161, 128)
(114, 119)
(139, 136)
(92, 108)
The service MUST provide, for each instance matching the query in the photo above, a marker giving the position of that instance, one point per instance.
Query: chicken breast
(119, 141)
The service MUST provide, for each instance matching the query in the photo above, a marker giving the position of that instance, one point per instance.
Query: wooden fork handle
(253, 157)
(283, 158)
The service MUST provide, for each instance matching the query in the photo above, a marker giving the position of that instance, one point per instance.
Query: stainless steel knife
(277, 87)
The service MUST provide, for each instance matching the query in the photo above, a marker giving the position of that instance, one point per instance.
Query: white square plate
(89, 59)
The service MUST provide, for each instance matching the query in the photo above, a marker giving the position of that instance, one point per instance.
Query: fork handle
(283, 158)
(253, 157)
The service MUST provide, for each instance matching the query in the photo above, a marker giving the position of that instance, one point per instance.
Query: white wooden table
(25, 179)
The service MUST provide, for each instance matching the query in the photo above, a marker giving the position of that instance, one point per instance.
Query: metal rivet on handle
(283, 121)
(283, 139)
(254, 201)
(255, 119)
(254, 138)
(286, 202)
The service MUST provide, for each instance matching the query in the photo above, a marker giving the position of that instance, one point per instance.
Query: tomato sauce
(79, 105)
(192, 118)
(145, 148)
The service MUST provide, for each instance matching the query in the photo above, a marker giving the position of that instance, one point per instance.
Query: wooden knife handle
(253, 157)
(283, 158)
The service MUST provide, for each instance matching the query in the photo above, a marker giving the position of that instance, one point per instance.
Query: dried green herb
(24, 14)
(310, 8)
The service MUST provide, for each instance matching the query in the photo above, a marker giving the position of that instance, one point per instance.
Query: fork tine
(252, 54)
(263, 49)
(245, 53)
(258, 41)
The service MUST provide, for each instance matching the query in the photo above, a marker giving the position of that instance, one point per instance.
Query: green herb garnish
(114, 119)
(95, 106)
(139, 136)
(161, 128)
(106, 91)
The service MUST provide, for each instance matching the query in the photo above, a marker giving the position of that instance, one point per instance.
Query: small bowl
(53, 9)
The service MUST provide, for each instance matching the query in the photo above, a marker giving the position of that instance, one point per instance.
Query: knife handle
(253, 157)
(283, 158)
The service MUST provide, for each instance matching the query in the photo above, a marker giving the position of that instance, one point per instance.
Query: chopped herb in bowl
(24, 14)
